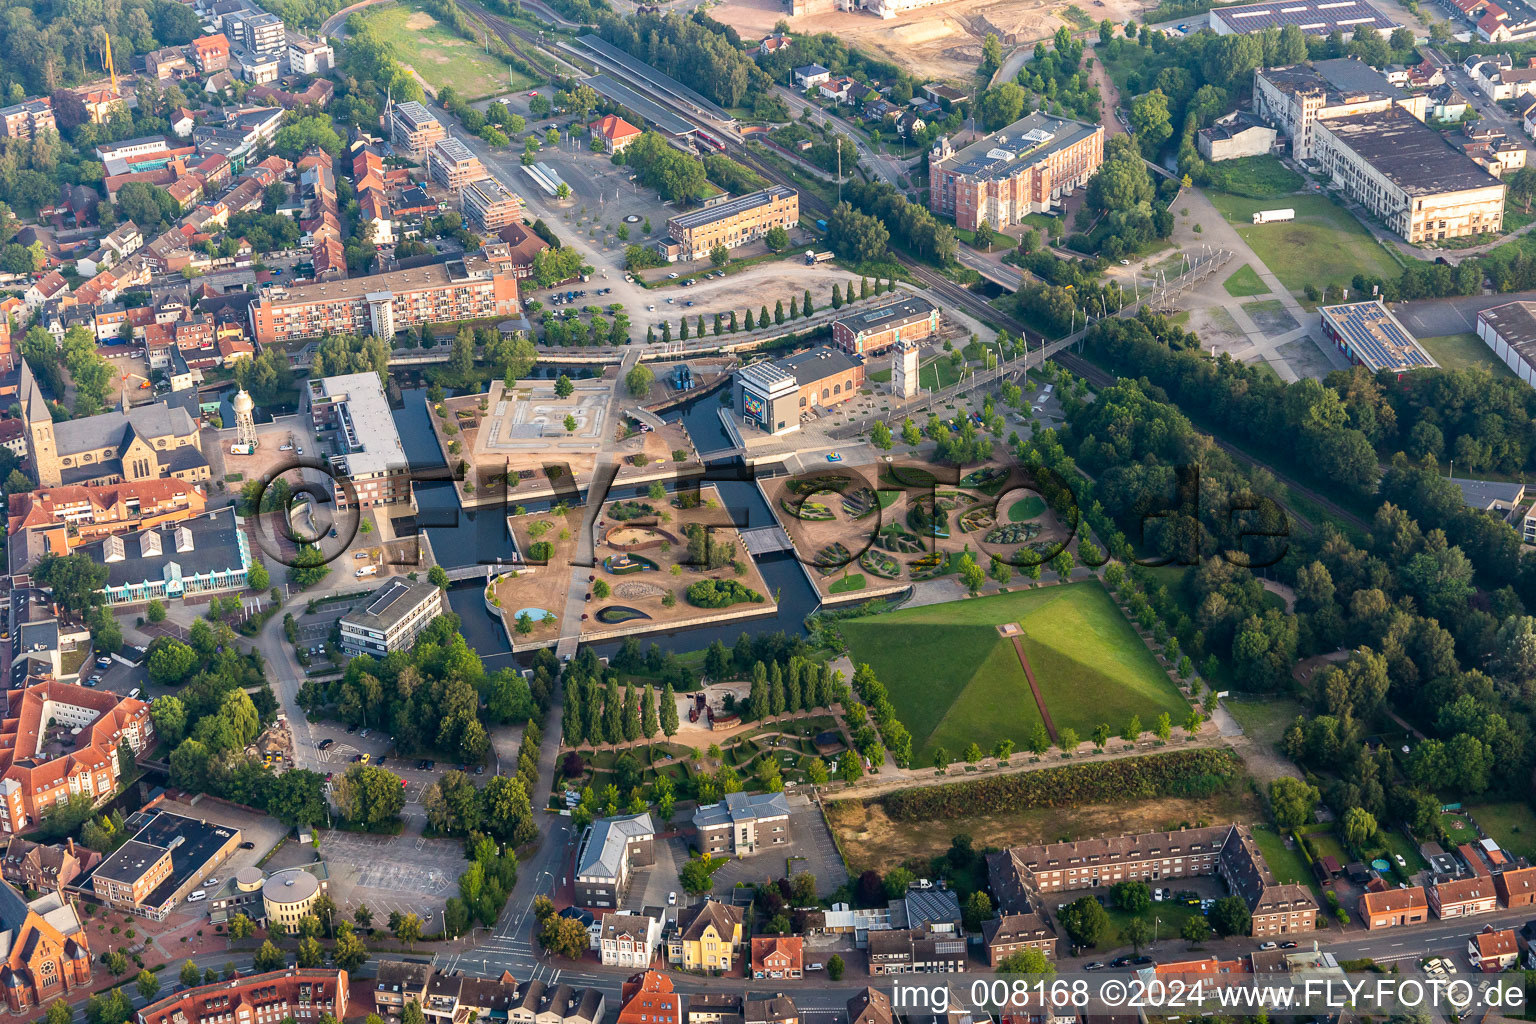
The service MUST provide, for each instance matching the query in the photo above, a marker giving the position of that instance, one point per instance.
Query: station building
(774, 396)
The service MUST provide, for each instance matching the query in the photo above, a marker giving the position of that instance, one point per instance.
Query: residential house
(29, 865)
(772, 44)
(629, 940)
(838, 89)
(1013, 933)
(870, 1006)
(705, 937)
(400, 982)
(1392, 908)
(648, 998)
(775, 1009)
(743, 824)
(777, 956)
(1516, 886)
(811, 74)
(1493, 951)
(1462, 897)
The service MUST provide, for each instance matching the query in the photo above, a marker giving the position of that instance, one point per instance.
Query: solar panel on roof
(388, 596)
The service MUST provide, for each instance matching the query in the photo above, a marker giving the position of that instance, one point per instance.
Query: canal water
(461, 538)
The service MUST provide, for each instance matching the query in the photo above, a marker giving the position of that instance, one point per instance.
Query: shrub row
(1176, 773)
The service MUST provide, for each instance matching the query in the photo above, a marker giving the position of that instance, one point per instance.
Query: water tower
(245, 423)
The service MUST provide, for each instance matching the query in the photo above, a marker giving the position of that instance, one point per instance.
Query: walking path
(1034, 688)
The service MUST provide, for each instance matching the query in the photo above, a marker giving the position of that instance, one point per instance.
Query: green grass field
(938, 373)
(1511, 824)
(954, 679)
(847, 583)
(1025, 509)
(1245, 282)
(1257, 177)
(1323, 246)
(440, 56)
(1461, 351)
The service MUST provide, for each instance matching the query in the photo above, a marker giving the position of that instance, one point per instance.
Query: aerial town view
(768, 511)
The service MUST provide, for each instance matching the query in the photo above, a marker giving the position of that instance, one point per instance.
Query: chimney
(69, 844)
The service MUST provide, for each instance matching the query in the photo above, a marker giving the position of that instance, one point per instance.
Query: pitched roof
(692, 921)
(1394, 901)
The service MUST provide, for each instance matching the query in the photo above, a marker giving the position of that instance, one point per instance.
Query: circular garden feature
(614, 614)
(625, 564)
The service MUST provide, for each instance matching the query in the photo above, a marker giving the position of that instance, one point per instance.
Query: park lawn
(879, 376)
(1025, 509)
(1091, 665)
(439, 55)
(1244, 283)
(1463, 351)
(938, 373)
(1323, 246)
(1511, 824)
(847, 584)
(954, 679)
(1167, 918)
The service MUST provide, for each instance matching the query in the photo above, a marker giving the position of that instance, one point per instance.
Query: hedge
(1176, 773)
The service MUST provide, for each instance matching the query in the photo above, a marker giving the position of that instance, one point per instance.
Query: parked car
(1268, 945)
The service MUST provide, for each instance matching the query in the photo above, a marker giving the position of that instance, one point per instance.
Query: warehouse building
(1024, 168)
(1370, 336)
(731, 223)
(1510, 330)
(773, 396)
(1314, 17)
(1409, 176)
(1296, 97)
(872, 331)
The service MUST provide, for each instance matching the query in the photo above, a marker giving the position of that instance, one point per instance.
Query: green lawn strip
(1323, 246)
(1515, 216)
(1511, 824)
(1244, 283)
(995, 705)
(1461, 351)
(938, 373)
(1025, 509)
(1091, 665)
(879, 376)
(1256, 177)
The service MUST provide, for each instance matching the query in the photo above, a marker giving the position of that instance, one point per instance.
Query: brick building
(1462, 897)
(297, 993)
(470, 288)
(1012, 933)
(88, 723)
(1516, 887)
(872, 331)
(732, 223)
(29, 865)
(1393, 908)
(1024, 168)
(614, 132)
(772, 396)
(46, 954)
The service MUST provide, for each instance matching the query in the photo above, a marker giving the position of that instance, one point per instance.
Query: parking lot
(261, 831)
(388, 873)
(810, 848)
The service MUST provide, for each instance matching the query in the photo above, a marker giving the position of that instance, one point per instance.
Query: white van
(367, 570)
(196, 895)
(133, 692)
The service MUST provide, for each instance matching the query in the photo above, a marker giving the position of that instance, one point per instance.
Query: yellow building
(733, 222)
(707, 937)
(288, 896)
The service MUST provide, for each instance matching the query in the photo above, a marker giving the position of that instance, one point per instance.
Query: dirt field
(940, 42)
(871, 840)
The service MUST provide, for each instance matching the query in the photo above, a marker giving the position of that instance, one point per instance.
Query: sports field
(436, 53)
(954, 679)
(1323, 246)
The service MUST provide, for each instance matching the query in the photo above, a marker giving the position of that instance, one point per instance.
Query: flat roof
(1375, 337)
(414, 114)
(1340, 78)
(1314, 17)
(415, 279)
(391, 603)
(1487, 494)
(491, 191)
(1408, 152)
(817, 364)
(640, 105)
(1022, 144)
(905, 310)
(454, 150)
(732, 207)
(192, 843)
(1515, 324)
(371, 439)
(659, 80)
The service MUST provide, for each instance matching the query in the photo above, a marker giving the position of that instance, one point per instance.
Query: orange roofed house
(648, 998)
(1391, 908)
(45, 762)
(777, 956)
(46, 953)
(295, 994)
(71, 515)
(1493, 951)
(614, 132)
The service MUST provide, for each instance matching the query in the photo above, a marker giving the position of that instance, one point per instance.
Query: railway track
(947, 290)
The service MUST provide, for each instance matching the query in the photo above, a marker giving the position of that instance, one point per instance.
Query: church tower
(40, 438)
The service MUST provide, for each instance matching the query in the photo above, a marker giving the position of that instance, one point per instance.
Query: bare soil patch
(871, 840)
